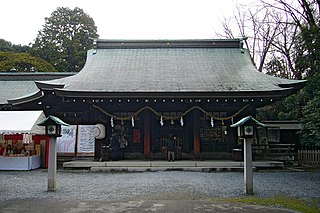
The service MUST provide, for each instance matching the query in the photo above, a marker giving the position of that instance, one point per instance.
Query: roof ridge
(170, 43)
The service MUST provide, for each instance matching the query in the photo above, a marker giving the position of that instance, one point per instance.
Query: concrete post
(248, 177)
(52, 164)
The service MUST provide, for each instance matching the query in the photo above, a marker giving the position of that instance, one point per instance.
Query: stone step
(159, 165)
(153, 169)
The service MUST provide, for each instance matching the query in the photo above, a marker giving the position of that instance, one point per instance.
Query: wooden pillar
(248, 177)
(76, 142)
(196, 134)
(98, 149)
(147, 135)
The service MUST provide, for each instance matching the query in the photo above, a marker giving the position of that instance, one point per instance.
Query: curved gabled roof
(186, 66)
(20, 86)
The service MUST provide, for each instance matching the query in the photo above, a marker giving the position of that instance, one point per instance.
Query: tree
(23, 62)
(311, 121)
(7, 46)
(292, 52)
(65, 39)
(270, 39)
(304, 15)
(258, 26)
(304, 106)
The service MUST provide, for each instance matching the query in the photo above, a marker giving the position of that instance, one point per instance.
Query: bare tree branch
(272, 30)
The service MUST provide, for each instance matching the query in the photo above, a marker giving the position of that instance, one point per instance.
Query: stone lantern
(53, 130)
(247, 128)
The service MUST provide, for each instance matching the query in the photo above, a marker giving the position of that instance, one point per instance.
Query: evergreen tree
(65, 39)
(311, 113)
(7, 46)
(23, 62)
(305, 105)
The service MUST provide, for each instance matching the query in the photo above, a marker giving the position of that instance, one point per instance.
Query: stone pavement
(161, 191)
(52, 206)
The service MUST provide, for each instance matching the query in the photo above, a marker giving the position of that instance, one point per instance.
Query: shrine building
(193, 89)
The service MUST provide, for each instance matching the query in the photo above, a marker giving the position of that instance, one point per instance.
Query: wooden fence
(286, 153)
(273, 151)
(309, 157)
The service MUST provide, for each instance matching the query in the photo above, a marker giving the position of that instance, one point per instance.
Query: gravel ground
(85, 185)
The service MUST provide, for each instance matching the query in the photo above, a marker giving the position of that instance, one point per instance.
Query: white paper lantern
(181, 121)
(212, 122)
(111, 122)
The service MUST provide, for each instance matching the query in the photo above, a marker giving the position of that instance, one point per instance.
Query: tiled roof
(33, 76)
(15, 89)
(207, 66)
(16, 85)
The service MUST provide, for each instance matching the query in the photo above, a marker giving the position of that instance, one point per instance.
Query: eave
(296, 85)
(48, 86)
(26, 99)
(227, 94)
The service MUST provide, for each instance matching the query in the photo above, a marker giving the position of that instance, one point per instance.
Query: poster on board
(86, 139)
(83, 139)
(66, 143)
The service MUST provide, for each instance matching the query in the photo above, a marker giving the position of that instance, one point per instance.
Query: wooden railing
(309, 157)
(274, 151)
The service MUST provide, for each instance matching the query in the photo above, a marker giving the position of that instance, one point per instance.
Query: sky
(20, 20)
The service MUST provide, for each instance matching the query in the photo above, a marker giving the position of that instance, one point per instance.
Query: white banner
(86, 138)
(66, 143)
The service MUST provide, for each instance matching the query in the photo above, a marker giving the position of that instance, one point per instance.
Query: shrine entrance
(213, 136)
(197, 135)
(180, 130)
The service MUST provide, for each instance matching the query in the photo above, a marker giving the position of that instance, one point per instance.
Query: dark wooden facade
(197, 88)
(197, 138)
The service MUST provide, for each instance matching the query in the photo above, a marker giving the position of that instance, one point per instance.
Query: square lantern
(247, 127)
(246, 131)
(53, 130)
(52, 126)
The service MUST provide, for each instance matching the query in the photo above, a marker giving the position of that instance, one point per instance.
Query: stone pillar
(248, 176)
(52, 165)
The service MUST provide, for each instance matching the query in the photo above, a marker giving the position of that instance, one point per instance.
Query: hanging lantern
(212, 122)
(161, 121)
(172, 122)
(111, 122)
(132, 121)
(181, 121)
